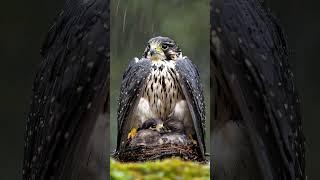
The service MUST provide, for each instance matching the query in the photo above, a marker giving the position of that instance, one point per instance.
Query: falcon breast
(162, 96)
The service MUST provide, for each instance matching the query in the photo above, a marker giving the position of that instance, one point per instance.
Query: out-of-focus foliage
(133, 23)
(162, 170)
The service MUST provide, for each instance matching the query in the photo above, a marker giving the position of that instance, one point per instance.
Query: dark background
(23, 25)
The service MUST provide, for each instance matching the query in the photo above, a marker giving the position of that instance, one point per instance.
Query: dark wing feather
(189, 80)
(133, 82)
(69, 92)
(250, 54)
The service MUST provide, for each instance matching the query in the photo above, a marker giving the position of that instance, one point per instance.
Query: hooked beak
(153, 52)
(160, 128)
(156, 54)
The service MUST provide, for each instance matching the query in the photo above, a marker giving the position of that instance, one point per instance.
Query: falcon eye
(164, 46)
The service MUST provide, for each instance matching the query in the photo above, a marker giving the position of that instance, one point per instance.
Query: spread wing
(250, 56)
(191, 86)
(132, 83)
(69, 92)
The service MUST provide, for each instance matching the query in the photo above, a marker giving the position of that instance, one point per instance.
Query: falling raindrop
(124, 20)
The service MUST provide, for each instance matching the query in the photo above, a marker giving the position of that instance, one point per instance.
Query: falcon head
(162, 48)
(153, 124)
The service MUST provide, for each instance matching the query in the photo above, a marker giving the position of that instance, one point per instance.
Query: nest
(149, 153)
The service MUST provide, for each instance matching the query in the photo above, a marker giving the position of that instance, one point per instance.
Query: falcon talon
(192, 140)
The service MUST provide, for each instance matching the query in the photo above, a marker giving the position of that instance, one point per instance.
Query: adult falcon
(164, 85)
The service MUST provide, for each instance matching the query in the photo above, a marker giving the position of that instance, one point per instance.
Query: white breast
(162, 89)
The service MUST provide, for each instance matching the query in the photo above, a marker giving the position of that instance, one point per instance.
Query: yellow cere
(159, 49)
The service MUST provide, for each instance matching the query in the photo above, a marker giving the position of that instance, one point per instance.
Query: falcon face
(161, 86)
(162, 48)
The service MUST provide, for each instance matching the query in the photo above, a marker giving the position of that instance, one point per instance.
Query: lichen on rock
(173, 168)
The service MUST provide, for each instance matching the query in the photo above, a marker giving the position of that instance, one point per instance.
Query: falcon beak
(156, 54)
(153, 52)
(160, 128)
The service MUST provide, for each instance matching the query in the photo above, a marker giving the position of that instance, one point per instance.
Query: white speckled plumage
(162, 97)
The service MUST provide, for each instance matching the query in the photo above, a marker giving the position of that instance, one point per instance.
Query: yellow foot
(193, 141)
(132, 133)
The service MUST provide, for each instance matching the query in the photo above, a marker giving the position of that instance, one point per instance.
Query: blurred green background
(133, 23)
(24, 24)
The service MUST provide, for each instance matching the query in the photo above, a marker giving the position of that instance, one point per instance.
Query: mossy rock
(161, 169)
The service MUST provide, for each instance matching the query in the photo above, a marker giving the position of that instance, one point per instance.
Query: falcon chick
(153, 133)
(153, 124)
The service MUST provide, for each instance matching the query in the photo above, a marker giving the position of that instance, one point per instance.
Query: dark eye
(164, 46)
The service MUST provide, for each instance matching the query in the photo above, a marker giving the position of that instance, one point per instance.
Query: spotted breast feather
(161, 92)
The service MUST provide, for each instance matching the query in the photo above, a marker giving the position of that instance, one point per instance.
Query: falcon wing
(133, 82)
(191, 87)
(250, 57)
(69, 91)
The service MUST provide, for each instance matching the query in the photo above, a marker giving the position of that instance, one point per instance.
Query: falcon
(163, 85)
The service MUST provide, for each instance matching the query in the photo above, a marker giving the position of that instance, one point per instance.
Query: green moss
(165, 169)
